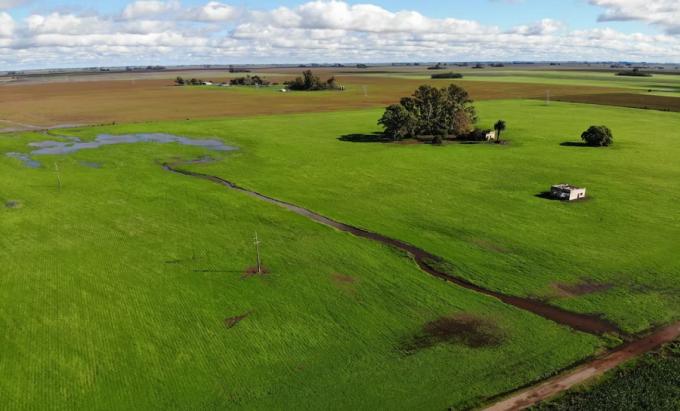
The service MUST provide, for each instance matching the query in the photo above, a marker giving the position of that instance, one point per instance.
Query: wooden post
(257, 250)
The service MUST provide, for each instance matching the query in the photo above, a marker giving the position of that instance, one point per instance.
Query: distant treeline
(249, 81)
(447, 75)
(634, 73)
(310, 82)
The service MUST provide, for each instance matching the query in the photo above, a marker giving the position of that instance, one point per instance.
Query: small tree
(179, 81)
(598, 136)
(398, 122)
(499, 127)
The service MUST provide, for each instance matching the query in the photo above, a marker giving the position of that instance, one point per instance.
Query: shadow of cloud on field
(376, 137)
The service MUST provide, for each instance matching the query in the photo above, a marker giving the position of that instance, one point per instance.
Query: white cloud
(6, 25)
(665, 13)
(165, 32)
(545, 26)
(214, 11)
(149, 8)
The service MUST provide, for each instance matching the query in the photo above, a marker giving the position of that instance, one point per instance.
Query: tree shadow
(574, 144)
(375, 137)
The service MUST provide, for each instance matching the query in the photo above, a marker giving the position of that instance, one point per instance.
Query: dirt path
(18, 127)
(428, 262)
(585, 372)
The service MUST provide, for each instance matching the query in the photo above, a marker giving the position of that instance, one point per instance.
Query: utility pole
(257, 250)
(56, 168)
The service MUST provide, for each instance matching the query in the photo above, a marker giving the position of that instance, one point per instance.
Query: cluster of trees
(598, 136)
(446, 75)
(249, 81)
(441, 113)
(634, 73)
(438, 66)
(193, 82)
(310, 82)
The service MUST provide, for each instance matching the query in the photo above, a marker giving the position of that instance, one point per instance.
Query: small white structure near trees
(491, 135)
(567, 192)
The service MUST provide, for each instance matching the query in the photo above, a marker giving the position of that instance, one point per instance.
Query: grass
(477, 205)
(116, 293)
(651, 383)
(115, 290)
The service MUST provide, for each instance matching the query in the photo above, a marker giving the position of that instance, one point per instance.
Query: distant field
(105, 101)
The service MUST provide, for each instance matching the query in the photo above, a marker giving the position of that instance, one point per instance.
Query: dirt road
(585, 372)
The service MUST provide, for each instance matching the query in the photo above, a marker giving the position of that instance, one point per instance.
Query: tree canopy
(430, 112)
(311, 82)
(598, 136)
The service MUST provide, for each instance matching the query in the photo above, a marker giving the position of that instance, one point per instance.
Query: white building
(567, 192)
(491, 136)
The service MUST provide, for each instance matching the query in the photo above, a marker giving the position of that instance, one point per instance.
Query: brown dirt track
(585, 372)
(96, 102)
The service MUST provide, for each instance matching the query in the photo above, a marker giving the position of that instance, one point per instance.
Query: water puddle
(26, 159)
(90, 164)
(59, 147)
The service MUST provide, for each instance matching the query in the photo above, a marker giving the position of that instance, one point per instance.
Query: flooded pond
(60, 147)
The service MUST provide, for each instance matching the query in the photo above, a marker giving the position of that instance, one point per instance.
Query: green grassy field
(477, 205)
(116, 288)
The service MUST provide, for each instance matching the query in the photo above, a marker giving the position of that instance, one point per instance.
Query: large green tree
(432, 112)
(398, 122)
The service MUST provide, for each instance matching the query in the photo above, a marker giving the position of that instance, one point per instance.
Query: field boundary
(597, 367)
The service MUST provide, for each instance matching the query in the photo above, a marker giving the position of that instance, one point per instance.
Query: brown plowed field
(106, 101)
(644, 101)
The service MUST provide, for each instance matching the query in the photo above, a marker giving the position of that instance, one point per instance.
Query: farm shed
(567, 192)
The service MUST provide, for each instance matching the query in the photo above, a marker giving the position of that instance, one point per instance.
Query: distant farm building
(491, 136)
(567, 192)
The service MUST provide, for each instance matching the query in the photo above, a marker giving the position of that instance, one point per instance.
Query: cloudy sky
(70, 33)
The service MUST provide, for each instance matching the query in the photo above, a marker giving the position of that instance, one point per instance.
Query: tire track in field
(428, 262)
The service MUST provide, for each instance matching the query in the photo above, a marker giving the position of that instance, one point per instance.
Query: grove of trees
(249, 81)
(441, 113)
(310, 82)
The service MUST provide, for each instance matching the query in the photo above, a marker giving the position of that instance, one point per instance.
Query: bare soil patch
(343, 279)
(582, 288)
(231, 322)
(253, 272)
(14, 204)
(463, 329)
(490, 246)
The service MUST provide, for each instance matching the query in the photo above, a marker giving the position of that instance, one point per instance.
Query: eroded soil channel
(427, 262)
